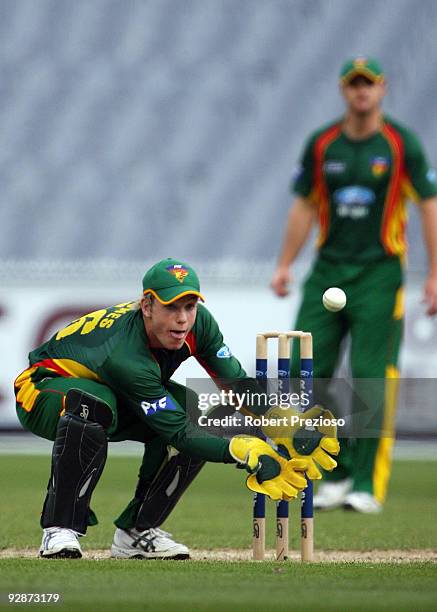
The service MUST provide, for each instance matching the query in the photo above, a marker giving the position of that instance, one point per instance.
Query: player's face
(167, 326)
(363, 96)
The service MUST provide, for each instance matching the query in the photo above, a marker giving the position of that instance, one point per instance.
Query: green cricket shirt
(361, 188)
(110, 346)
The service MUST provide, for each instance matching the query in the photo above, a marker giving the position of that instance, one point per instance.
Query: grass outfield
(213, 586)
(216, 510)
(216, 513)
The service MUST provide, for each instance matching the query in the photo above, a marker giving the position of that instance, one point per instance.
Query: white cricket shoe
(60, 543)
(360, 501)
(331, 495)
(152, 543)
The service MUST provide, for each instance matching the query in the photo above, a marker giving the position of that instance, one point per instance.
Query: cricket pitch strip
(238, 555)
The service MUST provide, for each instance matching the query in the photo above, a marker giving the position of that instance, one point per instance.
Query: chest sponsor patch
(224, 353)
(353, 201)
(379, 165)
(332, 166)
(164, 403)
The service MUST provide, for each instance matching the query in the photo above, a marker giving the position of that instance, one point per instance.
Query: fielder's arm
(428, 211)
(302, 216)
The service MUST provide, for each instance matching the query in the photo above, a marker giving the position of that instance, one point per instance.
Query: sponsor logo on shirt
(224, 352)
(431, 175)
(164, 403)
(353, 201)
(178, 271)
(333, 166)
(379, 165)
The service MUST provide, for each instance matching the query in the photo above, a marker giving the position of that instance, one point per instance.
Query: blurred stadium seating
(131, 128)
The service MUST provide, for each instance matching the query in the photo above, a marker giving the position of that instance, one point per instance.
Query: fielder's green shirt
(110, 346)
(361, 188)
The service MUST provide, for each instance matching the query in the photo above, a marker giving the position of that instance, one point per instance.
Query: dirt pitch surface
(236, 555)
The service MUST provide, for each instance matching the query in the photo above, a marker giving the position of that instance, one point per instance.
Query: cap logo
(360, 61)
(178, 271)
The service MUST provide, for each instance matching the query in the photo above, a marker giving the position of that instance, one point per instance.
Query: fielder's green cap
(361, 66)
(170, 279)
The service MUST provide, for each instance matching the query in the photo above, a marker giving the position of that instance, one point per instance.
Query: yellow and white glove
(314, 444)
(270, 473)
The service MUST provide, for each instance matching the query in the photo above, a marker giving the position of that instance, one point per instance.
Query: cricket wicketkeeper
(107, 377)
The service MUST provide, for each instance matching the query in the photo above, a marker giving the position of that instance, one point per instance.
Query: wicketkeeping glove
(270, 473)
(315, 444)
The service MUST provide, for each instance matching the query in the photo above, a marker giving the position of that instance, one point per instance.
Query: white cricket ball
(334, 299)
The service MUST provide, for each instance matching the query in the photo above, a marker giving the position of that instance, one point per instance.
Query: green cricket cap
(170, 279)
(361, 66)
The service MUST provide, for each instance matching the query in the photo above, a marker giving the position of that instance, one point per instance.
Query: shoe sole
(120, 554)
(65, 553)
(179, 557)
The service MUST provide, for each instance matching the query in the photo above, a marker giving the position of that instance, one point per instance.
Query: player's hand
(270, 473)
(430, 295)
(314, 444)
(281, 281)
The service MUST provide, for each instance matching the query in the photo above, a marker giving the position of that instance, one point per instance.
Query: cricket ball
(334, 299)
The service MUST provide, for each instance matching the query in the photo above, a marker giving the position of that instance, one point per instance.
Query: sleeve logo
(224, 352)
(165, 403)
(431, 175)
(297, 172)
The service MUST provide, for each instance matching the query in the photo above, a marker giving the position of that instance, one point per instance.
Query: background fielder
(355, 178)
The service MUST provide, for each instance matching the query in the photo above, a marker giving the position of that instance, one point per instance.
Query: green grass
(216, 513)
(216, 510)
(135, 585)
